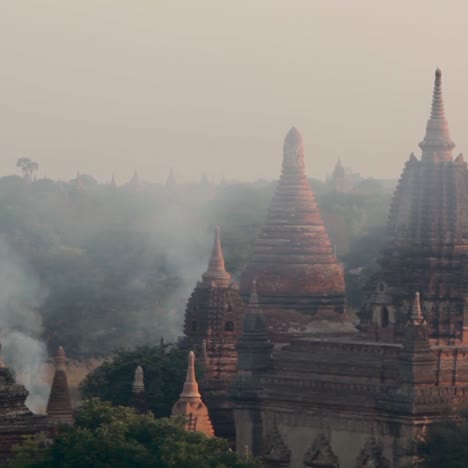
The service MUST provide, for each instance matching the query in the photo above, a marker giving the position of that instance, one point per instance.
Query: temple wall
(348, 437)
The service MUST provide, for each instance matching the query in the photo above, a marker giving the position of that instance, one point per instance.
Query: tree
(28, 167)
(106, 436)
(444, 445)
(164, 368)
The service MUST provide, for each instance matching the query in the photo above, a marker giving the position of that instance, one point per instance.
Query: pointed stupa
(138, 399)
(59, 407)
(416, 317)
(339, 170)
(190, 404)
(216, 271)
(427, 241)
(293, 259)
(138, 381)
(437, 144)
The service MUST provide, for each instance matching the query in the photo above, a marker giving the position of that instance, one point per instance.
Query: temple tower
(138, 392)
(212, 325)
(59, 407)
(427, 245)
(299, 280)
(190, 404)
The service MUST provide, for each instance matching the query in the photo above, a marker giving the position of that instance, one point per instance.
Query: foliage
(27, 167)
(164, 370)
(107, 436)
(444, 445)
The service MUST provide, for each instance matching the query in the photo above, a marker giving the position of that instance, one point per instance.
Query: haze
(212, 86)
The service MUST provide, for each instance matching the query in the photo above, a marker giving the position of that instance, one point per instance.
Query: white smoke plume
(21, 326)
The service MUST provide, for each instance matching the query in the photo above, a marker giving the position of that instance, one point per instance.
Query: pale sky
(110, 86)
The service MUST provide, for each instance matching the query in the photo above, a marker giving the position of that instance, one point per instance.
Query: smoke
(20, 324)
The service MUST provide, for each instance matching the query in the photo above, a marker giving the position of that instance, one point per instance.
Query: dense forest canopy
(95, 267)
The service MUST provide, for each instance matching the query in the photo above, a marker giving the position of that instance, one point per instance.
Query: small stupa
(190, 404)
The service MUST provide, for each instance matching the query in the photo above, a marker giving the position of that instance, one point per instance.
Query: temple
(299, 280)
(190, 405)
(59, 407)
(355, 401)
(427, 244)
(16, 420)
(212, 325)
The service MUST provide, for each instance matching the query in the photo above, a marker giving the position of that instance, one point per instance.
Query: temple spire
(437, 111)
(216, 270)
(190, 404)
(437, 144)
(293, 152)
(416, 317)
(190, 390)
(59, 407)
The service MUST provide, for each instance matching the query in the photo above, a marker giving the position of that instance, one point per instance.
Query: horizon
(113, 88)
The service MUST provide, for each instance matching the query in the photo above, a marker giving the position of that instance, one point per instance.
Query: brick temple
(299, 280)
(358, 401)
(212, 325)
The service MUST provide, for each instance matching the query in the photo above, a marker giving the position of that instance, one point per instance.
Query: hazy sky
(110, 86)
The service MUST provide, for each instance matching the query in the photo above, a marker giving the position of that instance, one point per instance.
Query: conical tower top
(138, 381)
(216, 270)
(190, 390)
(437, 144)
(59, 406)
(293, 152)
(253, 299)
(416, 317)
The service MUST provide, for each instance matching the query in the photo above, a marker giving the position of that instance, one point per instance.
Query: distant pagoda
(59, 406)
(300, 283)
(212, 325)
(427, 246)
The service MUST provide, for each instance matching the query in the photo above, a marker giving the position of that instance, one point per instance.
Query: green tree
(444, 445)
(164, 368)
(106, 436)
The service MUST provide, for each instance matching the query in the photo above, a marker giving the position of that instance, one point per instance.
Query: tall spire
(293, 152)
(416, 317)
(190, 404)
(437, 144)
(216, 271)
(190, 390)
(59, 407)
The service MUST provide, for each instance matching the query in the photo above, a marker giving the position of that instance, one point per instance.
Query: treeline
(115, 266)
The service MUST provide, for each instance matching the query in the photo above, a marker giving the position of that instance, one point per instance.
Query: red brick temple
(359, 401)
(299, 280)
(427, 247)
(212, 325)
